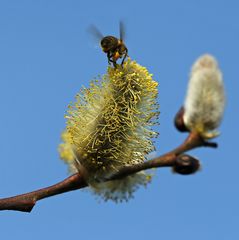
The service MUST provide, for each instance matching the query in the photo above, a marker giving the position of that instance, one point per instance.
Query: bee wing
(95, 32)
(122, 30)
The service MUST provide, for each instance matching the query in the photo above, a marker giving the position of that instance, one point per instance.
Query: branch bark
(26, 202)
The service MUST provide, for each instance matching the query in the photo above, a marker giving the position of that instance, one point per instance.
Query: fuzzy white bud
(205, 99)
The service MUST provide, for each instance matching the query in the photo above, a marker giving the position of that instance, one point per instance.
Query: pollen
(116, 56)
(110, 125)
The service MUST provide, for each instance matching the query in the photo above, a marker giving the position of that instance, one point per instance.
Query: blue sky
(46, 56)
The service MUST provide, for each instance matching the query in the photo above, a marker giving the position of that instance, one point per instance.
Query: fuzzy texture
(110, 126)
(205, 100)
(66, 152)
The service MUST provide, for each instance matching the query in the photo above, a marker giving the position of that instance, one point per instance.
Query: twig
(26, 202)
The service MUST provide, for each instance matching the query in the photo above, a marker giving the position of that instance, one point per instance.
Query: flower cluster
(109, 127)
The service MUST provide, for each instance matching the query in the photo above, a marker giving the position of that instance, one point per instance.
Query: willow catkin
(205, 99)
(110, 126)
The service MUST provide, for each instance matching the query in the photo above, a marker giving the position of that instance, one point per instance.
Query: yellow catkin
(110, 126)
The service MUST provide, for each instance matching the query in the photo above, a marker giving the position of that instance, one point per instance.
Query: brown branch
(167, 160)
(25, 202)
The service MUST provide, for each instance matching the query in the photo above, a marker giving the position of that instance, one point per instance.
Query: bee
(112, 46)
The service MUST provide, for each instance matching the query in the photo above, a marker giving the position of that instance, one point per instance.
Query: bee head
(105, 44)
(108, 43)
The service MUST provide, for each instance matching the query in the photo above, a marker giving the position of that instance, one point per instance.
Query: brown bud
(186, 164)
(178, 121)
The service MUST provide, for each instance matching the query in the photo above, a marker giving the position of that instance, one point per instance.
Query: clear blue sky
(46, 55)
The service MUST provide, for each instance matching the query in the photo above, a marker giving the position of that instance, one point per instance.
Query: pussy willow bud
(109, 127)
(205, 99)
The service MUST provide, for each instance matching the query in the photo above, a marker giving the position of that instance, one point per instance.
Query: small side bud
(186, 164)
(179, 122)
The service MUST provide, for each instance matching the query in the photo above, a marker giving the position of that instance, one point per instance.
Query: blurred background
(46, 55)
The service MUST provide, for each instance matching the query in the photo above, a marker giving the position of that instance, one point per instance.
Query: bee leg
(111, 61)
(109, 56)
(125, 55)
(115, 64)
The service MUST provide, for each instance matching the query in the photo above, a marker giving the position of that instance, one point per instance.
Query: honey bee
(112, 46)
